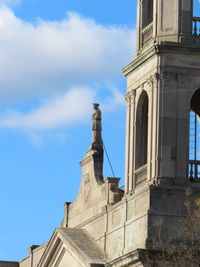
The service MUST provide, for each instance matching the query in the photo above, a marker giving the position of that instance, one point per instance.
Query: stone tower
(163, 87)
(161, 81)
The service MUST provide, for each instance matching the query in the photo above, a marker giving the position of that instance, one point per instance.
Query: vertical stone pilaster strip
(182, 124)
(132, 142)
(155, 122)
(127, 98)
(150, 123)
(139, 25)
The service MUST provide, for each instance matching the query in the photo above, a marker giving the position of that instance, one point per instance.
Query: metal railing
(147, 34)
(196, 26)
(194, 169)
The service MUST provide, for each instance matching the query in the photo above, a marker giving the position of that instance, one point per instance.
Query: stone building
(109, 227)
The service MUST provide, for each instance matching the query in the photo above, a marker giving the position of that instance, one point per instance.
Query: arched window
(194, 142)
(142, 131)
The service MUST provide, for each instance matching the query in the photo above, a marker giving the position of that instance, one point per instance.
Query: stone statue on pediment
(96, 126)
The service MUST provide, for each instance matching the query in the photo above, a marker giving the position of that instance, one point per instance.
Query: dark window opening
(147, 14)
(142, 131)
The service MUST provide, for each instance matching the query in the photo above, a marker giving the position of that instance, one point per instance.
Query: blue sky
(57, 58)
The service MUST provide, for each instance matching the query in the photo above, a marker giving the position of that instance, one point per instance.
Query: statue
(96, 127)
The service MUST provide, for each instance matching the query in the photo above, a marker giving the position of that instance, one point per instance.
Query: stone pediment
(95, 192)
(72, 248)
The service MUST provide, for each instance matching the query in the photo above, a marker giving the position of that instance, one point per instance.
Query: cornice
(162, 48)
(140, 59)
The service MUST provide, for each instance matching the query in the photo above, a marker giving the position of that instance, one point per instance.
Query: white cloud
(68, 63)
(114, 100)
(74, 106)
(48, 57)
(39, 139)
(9, 2)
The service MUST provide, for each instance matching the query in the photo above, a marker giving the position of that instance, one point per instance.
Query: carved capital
(130, 96)
(127, 98)
(156, 77)
(152, 81)
(168, 76)
(149, 82)
(169, 79)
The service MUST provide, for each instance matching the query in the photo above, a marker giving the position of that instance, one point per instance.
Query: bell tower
(161, 81)
(163, 88)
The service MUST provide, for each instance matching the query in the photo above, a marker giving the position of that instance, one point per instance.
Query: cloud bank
(50, 56)
(60, 61)
(68, 108)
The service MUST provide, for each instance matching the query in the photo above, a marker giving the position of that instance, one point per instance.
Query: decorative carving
(168, 76)
(156, 77)
(152, 81)
(127, 98)
(130, 96)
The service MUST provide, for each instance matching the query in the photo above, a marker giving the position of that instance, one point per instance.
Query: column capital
(130, 96)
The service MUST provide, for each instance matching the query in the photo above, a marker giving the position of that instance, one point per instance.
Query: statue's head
(95, 106)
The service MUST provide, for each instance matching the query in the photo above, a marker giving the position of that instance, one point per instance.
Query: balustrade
(196, 26)
(194, 169)
(147, 34)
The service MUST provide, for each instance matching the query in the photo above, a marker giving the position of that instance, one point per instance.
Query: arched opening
(142, 131)
(147, 14)
(194, 141)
